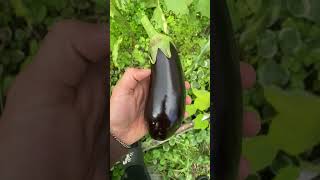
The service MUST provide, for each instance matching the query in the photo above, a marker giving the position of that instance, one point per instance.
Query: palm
(131, 103)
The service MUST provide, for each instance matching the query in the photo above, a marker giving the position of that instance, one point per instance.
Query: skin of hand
(53, 118)
(127, 105)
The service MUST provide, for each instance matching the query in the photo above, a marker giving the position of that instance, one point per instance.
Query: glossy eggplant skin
(227, 97)
(165, 106)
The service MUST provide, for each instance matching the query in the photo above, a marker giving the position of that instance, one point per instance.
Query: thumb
(132, 77)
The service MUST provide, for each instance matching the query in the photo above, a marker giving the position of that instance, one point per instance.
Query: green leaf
(271, 73)
(150, 3)
(38, 13)
(160, 20)
(7, 81)
(55, 4)
(305, 8)
(267, 44)
(234, 13)
(101, 4)
(200, 123)
(257, 24)
(191, 109)
(314, 13)
(243, 8)
(253, 5)
(201, 93)
(20, 9)
(17, 56)
(296, 7)
(115, 50)
(179, 7)
(203, 6)
(296, 126)
(137, 55)
(33, 47)
(202, 102)
(259, 151)
(290, 40)
(113, 10)
(275, 11)
(288, 173)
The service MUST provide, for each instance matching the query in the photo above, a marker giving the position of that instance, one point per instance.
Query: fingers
(251, 124)
(186, 83)
(248, 75)
(188, 100)
(244, 169)
(132, 77)
(67, 50)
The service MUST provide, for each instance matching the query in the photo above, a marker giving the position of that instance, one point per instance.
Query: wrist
(120, 140)
(120, 135)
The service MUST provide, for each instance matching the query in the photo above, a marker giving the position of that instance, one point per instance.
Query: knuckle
(61, 25)
(129, 70)
(63, 29)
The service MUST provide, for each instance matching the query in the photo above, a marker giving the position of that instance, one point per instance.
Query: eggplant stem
(148, 26)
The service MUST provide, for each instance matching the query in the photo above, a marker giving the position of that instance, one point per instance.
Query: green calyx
(157, 40)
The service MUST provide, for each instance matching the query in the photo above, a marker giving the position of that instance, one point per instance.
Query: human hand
(54, 110)
(127, 105)
(251, 123)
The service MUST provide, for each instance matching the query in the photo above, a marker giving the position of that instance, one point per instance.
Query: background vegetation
(281, 39)
(185, 156)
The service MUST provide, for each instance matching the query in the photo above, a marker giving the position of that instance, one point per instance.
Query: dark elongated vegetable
(165, 106)
(227, 97)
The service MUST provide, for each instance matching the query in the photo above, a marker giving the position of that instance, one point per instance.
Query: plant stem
(148, 26)
(183, 129)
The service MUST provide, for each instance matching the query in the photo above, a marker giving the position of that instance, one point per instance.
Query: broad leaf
(203, 6)
(296, 126)
(200, 122)
(290, 40)
(115, 50)
(150, 3)
(267, 44)
(296, 7)
(179, 7)
(288, 173)
(6, 83)
(314, 13)
(202, 102)
(191, 109)
(271, 73)
(259, 151)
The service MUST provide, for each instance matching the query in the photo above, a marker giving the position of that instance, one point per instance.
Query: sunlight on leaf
(296, 126)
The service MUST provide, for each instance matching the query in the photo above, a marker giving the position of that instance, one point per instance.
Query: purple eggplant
(165, 105)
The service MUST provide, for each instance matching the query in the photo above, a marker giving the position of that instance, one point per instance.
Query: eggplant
(227, 97)
(165, 104)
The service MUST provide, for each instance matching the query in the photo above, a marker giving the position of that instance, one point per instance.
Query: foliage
(280, 38)
(184, 156)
